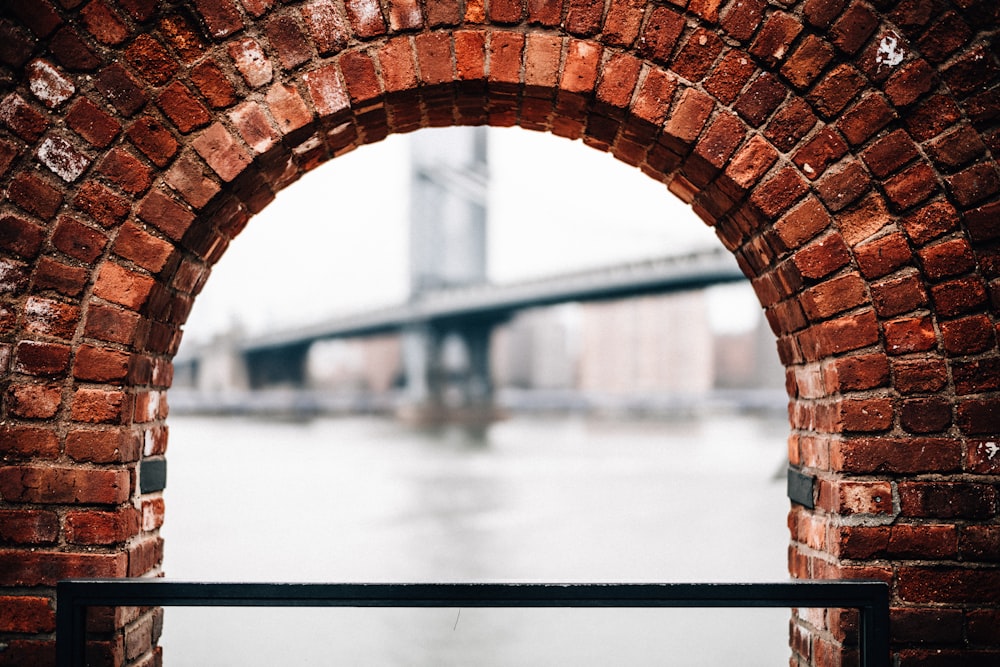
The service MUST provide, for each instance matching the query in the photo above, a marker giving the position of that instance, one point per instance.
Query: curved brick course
(844, 151)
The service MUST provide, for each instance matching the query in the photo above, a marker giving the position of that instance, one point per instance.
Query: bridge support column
(284, 366)
(441, 389)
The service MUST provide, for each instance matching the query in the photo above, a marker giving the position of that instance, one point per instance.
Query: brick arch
(843, 151)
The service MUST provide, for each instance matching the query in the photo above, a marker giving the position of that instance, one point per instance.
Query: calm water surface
(559, 500)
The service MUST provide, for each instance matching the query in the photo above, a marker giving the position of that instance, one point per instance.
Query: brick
(49, 485)
(974, 184)
(930, 222)
(730, 76)
(150, 60)
(867, 117)
(71, 50)
(978, 375)
(121, 90)
(687, 119)
(925, 415)
(956, 148)
(699, 53)
(126, 170)
(977, 416)
(287, 38)
(958, 296)
(326, 90)
(843, 334)
(62, 158)
(26, 614)
(579, 73)
(741, 19)
(183, 108)
(910, 334)
(77, 240)
(365, 18)
(166, 214)
(911, 81)
(188, 178)
(856, 373)
(287, 108)
(221, 16)
(144, 556)
(897, 295)
(881, 256)
(802, 223)
(931, 117)
(213, 84)
(822, 257)
(850, 32)
(99, 406)
(913, 376)
(760, 99)
(33, 401)
(119, 285)
(254, 126)
(137, 245)
(841, 187)
(327, 28)
(21, 237)
(889, 455)
(947, 259)
(53, 275)
(912, 186)
(154, 140)
(807, 62)
(102, 446)
(48, 317)
(889, 153)
(37, 358)
(793, 120)
(22, 118)
(35, 195)
(361, 79)
(619, 77)
(92, 123)
(779, 193)
(825, 148)
(106, 207)
(93, 527)
(220, 150)
(834, 296)
(100, 364)
(251, 61)
(48, 84)
(947, 500)
(857, 497)
(179, 33)
(945, 36)
(660, 34)
(505, 11)
(470, 55)
(774, 38)
(18, 441)
(836, 90)
(41, 568)
(980, 543)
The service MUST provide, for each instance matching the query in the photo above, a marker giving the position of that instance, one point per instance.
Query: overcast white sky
(336, 241)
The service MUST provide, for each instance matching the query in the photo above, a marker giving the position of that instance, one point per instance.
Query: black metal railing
(870, 598)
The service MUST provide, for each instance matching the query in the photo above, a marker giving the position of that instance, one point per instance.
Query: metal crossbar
(870, 598)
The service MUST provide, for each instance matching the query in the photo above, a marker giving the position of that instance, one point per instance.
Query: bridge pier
(448, 374)
(278, 366)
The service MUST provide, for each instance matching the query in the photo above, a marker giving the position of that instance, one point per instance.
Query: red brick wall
(844, 151)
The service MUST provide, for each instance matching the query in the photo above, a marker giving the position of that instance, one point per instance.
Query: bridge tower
(446, 364)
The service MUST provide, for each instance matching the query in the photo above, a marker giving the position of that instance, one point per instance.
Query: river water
(533, 499)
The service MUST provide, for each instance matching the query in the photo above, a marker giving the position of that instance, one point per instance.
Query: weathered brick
(327, 91)
(925, 415)
(38, 358)
(287, 108)
(182, 107)
(911, 186)
(730, 76)
(974, 184)
(760, 99)
(850, 32)
(72, 51)
(33, 401)
(221, 16)
(897, 295)
(35, 195)
(365, 18)
(741, 19)
(94, 527)
(92, 123)
(126, 170)
(807, 62)
(361, 78)
(47, 485)
(213, 84)
(17, 441)
(327, 28)
(968, 335)
(221, 151)
(836, 90)
(288, 39)
(179, 33)
(699, 53)
(791, 123)
(911, 81)
(154, 140)
(822, 257)
(930, 222)
(44, 568)
(106, 207)
(66, 279)
(977, 416)
(117, 284)
(21, 237)
(188, 178)
(121, 90)
(166, 214)
(660, 33)
(774, 38)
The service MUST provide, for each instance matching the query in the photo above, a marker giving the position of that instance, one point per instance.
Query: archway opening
(571, 496)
